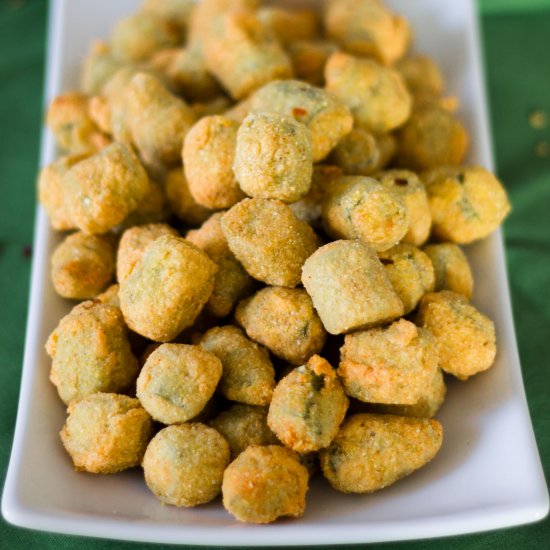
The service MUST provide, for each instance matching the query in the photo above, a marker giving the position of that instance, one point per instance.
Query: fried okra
(248, 375)
(264, 483)
(358, 207)
(184, 464)
(408, 186)
(133, 244)
(109, 296)
(308, 406)
(373, 451)
(391, 365)
(309, 58)
(367, 28)
(451, 268)
(153, 209)
(83, 265)
(410, 272)
(98, 67)
(176, 382)
(358, 153)
(242, 426)
(208, 154)
(181, 201)
(376, 96)
(270, 242)
(176, 11)
(422, 77)
(327, 117)
(106, 433)
(467, 203)
(273, 157)
(349, 287)
(465, 337)
(284, 321)
(167, 288)
(290, 25)
(100, 191)
(90, 352)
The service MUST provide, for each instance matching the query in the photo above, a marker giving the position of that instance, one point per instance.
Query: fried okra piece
(70, 123)
(248, 375)
(90, 352)
(176, 382)
(153, 209)
(242, 54)
(431, 137)
(290, 25)
(208, 154)
(465, 337)
(106, 433)
(413, 193)
(391, 365)
(181, 201)
(373, 451)
(98, 67)
(211, 107)
(359, 207)
(139, 36)
(376, 95)
(410, 272)
(451, 268)
(232, 281)
(184, 464)
(134, 242)
(176, 11)
(349, 287)
(358, 153)
(83, 265)
(102, 190)
(270, 242)
(367, 28)
(422, 77)
(242, 426)
(167, 288)
(467, 203)
(327, 118)
(264, 483)
(308, 406)
(284, 321)
(273, 157)
(309, 58)
(109, 296)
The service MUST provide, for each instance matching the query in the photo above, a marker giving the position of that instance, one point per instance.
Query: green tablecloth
(517, 40)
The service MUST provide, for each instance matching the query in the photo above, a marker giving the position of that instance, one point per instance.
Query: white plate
(488, 473)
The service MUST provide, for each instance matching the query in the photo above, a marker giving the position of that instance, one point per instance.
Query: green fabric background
(517, 41)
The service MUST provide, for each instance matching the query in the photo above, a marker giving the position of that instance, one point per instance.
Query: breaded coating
(83, 265)
(239, 111)
(248, 375)
(326, 116)
(208, 155)
(465, 337)
(184, 464)
(139, 36)
(167, 288)
(151, 210)
(308, 406)
(270, 242)
(410, 272)
(290, 25)
(181, 201)
(109, 296)
(100, 191)
(264, 483)
(70, 123)
(413, 193)
(273, 157)
(359, 207)
(215, 106)
(106, 433)
(367, 28)
(387, 145)
(134, 242)
(422, 77)
(90, 352)
(284, 321)
(244, 425)
(376, 95)
(373, 451)
(98, 67)
(242, 54)
(349, 287)
(451, 268)
(232, 281)
(176, 382)
(467, 202)
(177, 11)
(357, 153)
(392, 365)
(309, 58)
(431, 137)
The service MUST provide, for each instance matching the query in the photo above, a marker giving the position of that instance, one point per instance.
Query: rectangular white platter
(488, 474)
